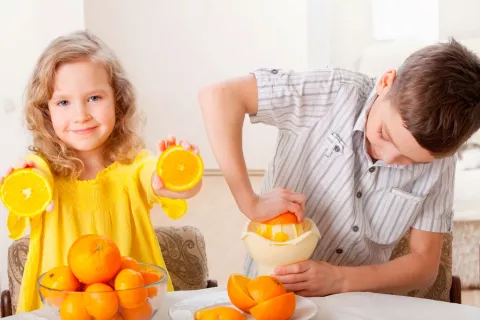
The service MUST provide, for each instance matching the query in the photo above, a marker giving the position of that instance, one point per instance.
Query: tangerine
(143, 312)
(73, 308)
(58, 278)
(130, 263)
(151, 277)
(100, 301)
(129, 285)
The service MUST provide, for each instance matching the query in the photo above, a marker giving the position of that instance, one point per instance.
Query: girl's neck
(93, 163)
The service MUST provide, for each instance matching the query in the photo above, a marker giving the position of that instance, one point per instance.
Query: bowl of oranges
(99, 283)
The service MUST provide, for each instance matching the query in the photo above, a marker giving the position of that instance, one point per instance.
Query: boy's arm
(224, 107)
(416, 270)
(288, 100)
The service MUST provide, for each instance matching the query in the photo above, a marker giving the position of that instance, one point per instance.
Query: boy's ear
(386, 81)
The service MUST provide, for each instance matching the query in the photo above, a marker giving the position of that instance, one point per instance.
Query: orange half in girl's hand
(26, 192)
(179, 169)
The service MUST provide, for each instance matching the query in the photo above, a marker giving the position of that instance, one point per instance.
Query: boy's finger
(196, 150)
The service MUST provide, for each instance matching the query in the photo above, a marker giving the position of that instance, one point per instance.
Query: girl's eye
(94, 98)
(62, 103)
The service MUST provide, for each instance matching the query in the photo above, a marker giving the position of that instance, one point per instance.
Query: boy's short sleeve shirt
(362, 209)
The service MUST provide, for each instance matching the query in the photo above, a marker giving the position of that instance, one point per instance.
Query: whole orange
(100, 301)
(58, 278)
(264, 288)
(279, 308)
(129, 263)
(143, 312)
(73, 308)
(129, 285)
(94, 259)
(238, 293)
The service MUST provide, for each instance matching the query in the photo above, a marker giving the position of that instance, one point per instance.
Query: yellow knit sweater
(115, 204)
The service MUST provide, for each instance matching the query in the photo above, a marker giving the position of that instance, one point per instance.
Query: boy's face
(387, 137)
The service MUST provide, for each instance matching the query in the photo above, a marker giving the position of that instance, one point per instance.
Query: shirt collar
(360, 127)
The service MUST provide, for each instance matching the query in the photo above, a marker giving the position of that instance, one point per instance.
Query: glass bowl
(141, 303)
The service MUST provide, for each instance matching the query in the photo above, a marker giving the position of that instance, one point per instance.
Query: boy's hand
(276, 202)
(157, 183)
(311, 278)
(26, 165)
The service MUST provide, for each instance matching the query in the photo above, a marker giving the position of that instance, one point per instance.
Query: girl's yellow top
(115, 204)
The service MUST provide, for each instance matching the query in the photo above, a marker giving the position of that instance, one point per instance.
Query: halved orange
(285, 218)
(238, 292)
(264, 288)
(179, 169)
(219, 313)
(278, 308)
(26, 192)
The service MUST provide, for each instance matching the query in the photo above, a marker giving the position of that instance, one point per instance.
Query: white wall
(172, 48)
(26, 27)
(459, 18)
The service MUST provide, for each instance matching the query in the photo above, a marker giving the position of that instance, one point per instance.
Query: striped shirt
(361, 208)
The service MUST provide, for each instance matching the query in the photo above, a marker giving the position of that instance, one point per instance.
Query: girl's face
(82, 107)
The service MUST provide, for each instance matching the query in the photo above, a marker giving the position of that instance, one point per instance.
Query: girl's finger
(161, 146)
(171, 141)
(196, 150)
(50, 207)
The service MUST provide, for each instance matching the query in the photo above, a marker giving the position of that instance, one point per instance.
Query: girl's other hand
(157, 183)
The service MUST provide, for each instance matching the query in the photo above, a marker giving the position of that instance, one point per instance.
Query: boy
(366, 159)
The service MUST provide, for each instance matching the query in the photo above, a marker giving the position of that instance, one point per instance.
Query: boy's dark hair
(437, 92)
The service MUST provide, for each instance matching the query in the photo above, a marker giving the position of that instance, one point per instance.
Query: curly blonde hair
(124, 142)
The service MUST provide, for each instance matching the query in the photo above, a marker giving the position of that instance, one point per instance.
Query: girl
(82, 112)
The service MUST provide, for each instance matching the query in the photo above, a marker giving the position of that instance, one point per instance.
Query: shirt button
(274, 71)
(355, 228)
(372, 169)
(337, 148)
(359, 194)
(339, 251)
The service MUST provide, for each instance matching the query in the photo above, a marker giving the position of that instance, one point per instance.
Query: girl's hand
(157, 183)
(26, 165)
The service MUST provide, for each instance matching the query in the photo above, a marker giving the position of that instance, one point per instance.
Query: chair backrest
(183, 250)
(440, 290)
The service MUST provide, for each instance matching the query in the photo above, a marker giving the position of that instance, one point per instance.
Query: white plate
(184, 310)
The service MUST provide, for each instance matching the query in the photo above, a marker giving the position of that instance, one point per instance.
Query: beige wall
(173, 48)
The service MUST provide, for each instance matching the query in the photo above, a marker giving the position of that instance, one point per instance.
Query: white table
(349, 306)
